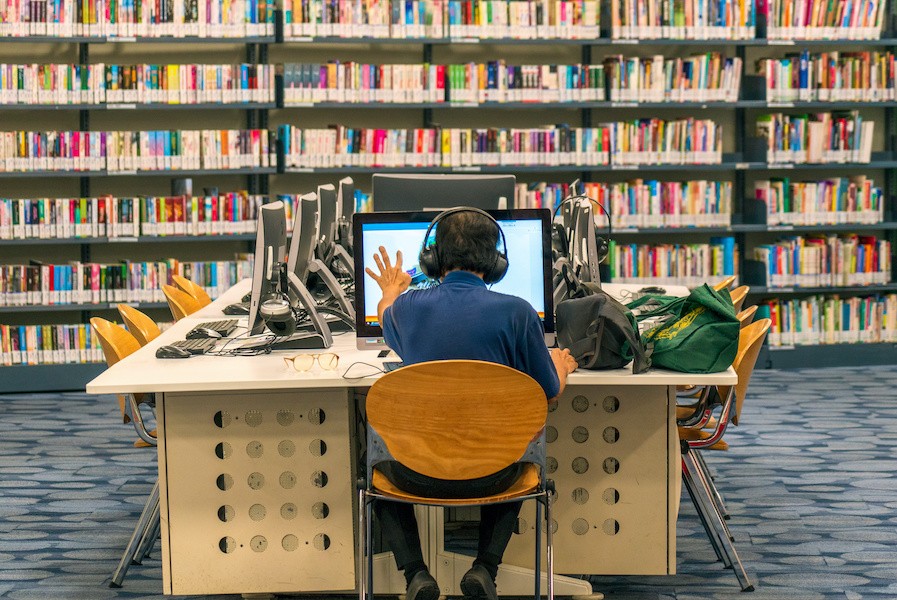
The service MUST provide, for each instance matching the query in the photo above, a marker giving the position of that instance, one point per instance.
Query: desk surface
(143, 372)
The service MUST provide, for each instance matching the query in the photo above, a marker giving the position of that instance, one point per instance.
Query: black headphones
(559, 232)
(428, 259)
(276, 311)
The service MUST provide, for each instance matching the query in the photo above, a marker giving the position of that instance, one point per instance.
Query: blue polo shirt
(462, 319)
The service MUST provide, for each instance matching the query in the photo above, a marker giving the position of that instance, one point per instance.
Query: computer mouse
(202, 333)
(171, 352)
(236, 309)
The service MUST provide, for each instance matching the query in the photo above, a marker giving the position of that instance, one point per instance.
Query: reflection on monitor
(438, 192)
(527, 232)
(270, 248)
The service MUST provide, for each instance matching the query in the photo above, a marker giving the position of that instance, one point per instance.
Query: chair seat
(527, 483)
(694, 435)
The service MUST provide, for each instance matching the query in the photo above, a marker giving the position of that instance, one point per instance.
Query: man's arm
(564, 364)
(393, 281)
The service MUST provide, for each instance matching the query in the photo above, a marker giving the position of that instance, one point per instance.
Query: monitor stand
(301, 341)
(301, 297)
(333, 286)
(344, 260)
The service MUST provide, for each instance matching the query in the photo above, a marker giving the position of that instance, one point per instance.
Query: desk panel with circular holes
(259, 492)
(617, 498)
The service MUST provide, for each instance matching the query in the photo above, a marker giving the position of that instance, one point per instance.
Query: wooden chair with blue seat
(194, 290)
(455, 420)
(117, 343)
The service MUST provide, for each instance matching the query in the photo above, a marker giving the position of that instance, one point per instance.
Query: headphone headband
(429, 257)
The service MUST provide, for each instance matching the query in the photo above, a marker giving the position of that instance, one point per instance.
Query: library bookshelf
(741, 159)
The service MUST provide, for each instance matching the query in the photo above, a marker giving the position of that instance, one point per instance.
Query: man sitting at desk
(460, 319)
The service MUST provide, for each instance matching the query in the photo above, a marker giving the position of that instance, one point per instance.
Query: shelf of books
(725, 137)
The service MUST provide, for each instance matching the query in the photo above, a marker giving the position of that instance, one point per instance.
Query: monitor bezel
(425, 192)
(371, 336)
(271, 233)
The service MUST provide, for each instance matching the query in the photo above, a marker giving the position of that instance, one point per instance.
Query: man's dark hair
(466, 241)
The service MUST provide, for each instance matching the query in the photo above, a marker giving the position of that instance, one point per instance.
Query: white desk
(257, 473)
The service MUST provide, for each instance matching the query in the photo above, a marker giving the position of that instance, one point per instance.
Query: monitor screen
(437, 192)
(270, 248)
(527, 232)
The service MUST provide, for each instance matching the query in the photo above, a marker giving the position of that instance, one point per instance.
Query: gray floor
(810, 480)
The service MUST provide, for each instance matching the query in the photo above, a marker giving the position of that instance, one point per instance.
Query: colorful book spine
(819, 320)
(833, 137)
(710, 77)
(825, 19)
(49, 345)
(673, 264)
(838, 200)
(830, 77)
(683, 19)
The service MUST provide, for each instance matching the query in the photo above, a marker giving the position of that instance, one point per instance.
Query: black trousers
(399, 526)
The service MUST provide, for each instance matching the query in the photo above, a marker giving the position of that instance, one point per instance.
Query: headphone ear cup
(278, 316)
(603, 248)
(428, 261)
(498, 271)
(283, 328)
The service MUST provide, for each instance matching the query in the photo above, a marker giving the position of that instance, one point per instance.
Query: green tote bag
(699, 333)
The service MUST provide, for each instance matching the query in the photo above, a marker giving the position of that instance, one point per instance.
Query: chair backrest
(456, 419)
(141, 326)
(724, 284)
(749, 342)
(180, 303)
(115, 340)
(193, 289)
(746, 316)
(738, 295)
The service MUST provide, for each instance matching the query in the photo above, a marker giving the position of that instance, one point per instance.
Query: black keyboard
(198, 346)
(225, 327)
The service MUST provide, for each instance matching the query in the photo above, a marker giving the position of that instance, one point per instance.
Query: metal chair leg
(702, 495)
(690, 486)
(708, 475)
(369, 547)
(549, 545)
(703, 478)
(537, 593)
(360, 559)
(131, 550)
(150, 535)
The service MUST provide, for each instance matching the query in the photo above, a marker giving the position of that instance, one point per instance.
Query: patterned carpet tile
(810, 481)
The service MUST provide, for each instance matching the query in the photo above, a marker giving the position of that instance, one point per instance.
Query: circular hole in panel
(288, 511)
(551, 434)
(610, 527)
(319, 479)
(580, 526)
(580, 495)
(257, 512)
(224, 482)
(522, 526)
(316, 416)
(226, 513)
(611, 404)
(227, 544)
(321, 541)
(253, 418)
(285, 417)
(611, 435)
(286, 448)
(289, 542)
(318, 448)
(258, 543)
(580, 465)
(554, 526)
(256, 480)
(580, 404)
(610, 496)
(611, 465)
(222, 419)
(287, 480)
(320, 510)
(255, 449)
(551, 464)
(223, 450)
(552, 407)
(580, 434)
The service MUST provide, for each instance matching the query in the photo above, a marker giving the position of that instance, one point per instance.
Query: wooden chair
(724, 284)
(141, 326)
(738, 295)
(695, 474)
(746, 316)
(117, 343)
(196, 291)
(180, 303)
(475, 419)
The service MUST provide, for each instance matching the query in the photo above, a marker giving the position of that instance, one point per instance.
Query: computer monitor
(270, 249)
(345, 203)
(528, 235)
(327, 209)
(437, 192)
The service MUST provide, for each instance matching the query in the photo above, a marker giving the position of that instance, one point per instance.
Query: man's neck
(480, 275)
